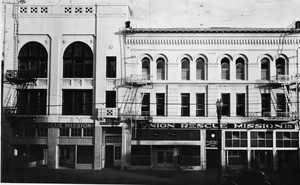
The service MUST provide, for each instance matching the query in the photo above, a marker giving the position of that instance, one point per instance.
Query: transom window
(236, 139)
(261, 139)
(33, 57)
(287, 139)
(78, 61)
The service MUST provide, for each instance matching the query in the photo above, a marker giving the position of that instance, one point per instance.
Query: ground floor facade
(149, 145)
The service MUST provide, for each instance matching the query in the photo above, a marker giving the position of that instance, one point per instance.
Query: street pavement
(116, 176)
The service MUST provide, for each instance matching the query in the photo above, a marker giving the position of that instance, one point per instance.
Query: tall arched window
(240, 69)
(33, 57)
(200, 69)
(160, 69)
(265, 69)
(78, 61)
(146, 68)
(280, 66)
(185, 69)
(225, 69)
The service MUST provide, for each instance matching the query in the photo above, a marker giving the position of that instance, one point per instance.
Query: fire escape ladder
(288, 97)
(129, 101)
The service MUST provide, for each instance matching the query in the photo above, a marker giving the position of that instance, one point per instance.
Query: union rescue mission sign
(271, 125)
(52, 125)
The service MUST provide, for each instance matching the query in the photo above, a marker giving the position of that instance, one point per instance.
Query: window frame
(162, 75)
(185, 69)
(200, 104)
(200, 68)
(111, 67)
(225, 71)
(185, 104)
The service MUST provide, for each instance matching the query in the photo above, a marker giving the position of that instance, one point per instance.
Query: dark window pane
(228, 143)
(110, 99)
(77, 102)
(185, 104)
(279, 143)
(200, 104)
(160, 104)
(226, 104)
(111, 67)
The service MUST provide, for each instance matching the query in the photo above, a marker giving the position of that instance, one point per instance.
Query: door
(212, 158)
(165, 158)
(109, 156)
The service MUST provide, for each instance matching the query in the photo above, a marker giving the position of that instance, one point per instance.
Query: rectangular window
(265, 104)
(146, 105)
(160, 104)
(76, 132)
(111, 67)
(281, 105)
(29, 132)
(287, 139)
(32, 102)
(85, 154)
(77, 102)
(200, 104)
(110, 99)
(42, 132)
(261, 139)
(185, 104)
(64, 132)
(226, 104)
(117, 152)
(88, 132)
(240, 104)
(235, 139)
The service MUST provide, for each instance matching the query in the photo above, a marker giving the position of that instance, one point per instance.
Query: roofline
(211, 30)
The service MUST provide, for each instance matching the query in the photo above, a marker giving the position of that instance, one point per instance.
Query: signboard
(52, 125)
(211, 139)
(264, 125)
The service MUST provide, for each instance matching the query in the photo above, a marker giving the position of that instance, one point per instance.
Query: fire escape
(289, 86)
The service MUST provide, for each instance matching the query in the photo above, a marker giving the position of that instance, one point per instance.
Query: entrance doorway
(109, 156)
(164, 158)
(212, 158)
(67, 156)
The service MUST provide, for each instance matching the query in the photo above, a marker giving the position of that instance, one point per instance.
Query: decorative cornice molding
(212, 41)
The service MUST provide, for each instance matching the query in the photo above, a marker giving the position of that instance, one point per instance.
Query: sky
(215, 13)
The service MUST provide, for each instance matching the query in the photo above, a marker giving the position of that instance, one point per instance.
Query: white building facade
(83, 89)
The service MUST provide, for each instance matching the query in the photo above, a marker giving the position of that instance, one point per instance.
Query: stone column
(53, 153)
(98, 147)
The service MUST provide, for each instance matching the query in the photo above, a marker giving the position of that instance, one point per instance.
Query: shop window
(110, 100)
(287, 139)
(240, 104)
(237, 157)
(18, 132)
(265, 69)
(65, 152)
(240, 69)
(200, 69)
(189, 156)
(77, 102)
(281, 105)
(85, 154)
(225, 66)
(160, 69)
(226, 104)
(160, 104)
(42, 132)
(33, 57)
(76, 132)
(146, 105)
(78, 61)
(146, 68)
(140, 155)
(265, 104)
(64, 132)
(111, 67)
(29, 132)
(185, 69)
(117, 152)
(32, 102)
(261, 139)
(200, 104)
(235, 139)
(88, 132)
(185, 104)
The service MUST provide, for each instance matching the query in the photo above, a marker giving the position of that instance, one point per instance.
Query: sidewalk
(116, 176)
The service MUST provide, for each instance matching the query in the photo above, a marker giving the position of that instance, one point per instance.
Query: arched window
(33, 57)
(265, 69)
(225, 69)
(78, 61)
(185, 69)
(146, 68)
(280, 66)
(240, 69)
(160, 69)
(200, 69)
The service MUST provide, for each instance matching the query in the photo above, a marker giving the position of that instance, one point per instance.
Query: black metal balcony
(21, 77)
